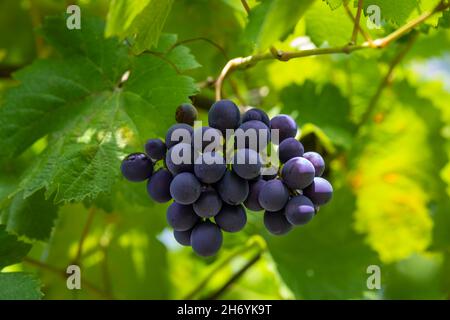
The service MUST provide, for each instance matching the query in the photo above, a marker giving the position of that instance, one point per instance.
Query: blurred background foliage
(391, 173)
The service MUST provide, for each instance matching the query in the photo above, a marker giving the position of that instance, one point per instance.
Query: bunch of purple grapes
(210, 193)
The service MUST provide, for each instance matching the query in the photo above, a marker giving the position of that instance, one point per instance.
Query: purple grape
(286, 126)
(183, 237)
(185, 188)
(137, 167)
(158, 186)
(208, 205)
(155, 149)
(320, 191)
(206, 239)
(181, 217)
(186, 113)
(232, 188)
(252, 202)
(249, 135)
(231, 218)
(256, 114)
(184, 131)
(276, 222)
(290, 148)
(298, 173)
(207, 137)
(247, 163)
(317, 161)
(224, 114)
(273, 196)
(176, 153)
(299, 210)
(210, 167)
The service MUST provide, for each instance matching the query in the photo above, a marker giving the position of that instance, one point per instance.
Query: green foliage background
(68, 116)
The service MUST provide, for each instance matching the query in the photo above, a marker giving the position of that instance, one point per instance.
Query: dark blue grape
(252, 134)
(273, 196)
(155, 149)
(320, 191)
(177, 133)
(317, 161)
(181, 217)
(232, 188)
(224, 114)
(290, 148)
(208, 205)
(207, 138)
(247, 163)
(276, 222)
(185, 188)
(299, 210)
(158, 186)
(252, 201)
(231, 218)
(210, 167)
(177, 162)
(186, 113)
(256, 114)
(183, 237)
(137, 167)
(298, 173)
(206, 239)
(286, 126)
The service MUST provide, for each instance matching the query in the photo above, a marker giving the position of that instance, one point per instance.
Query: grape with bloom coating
(252, 201)
(155, 149)
(224, 114)
(286, 126)
(158, 186)
(181, 217)
(206, 239)
(276, 222)
(232, 188)
(320, 191)
(299, 210)
(317, 161)
(137, 167)
(273, 195)
(208, 205)
(290, 148)
(298, 173)
(256, 114)
(183, 237)
(231, 218)
(185, 188)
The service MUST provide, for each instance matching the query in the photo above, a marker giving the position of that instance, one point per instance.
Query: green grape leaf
(272, 20)
(324, 26)
(324, 107)
(96, 102)
(325, 259)
(19, 286)
(11, 249)
(179, 55)
(141, 20)
(32, 217)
